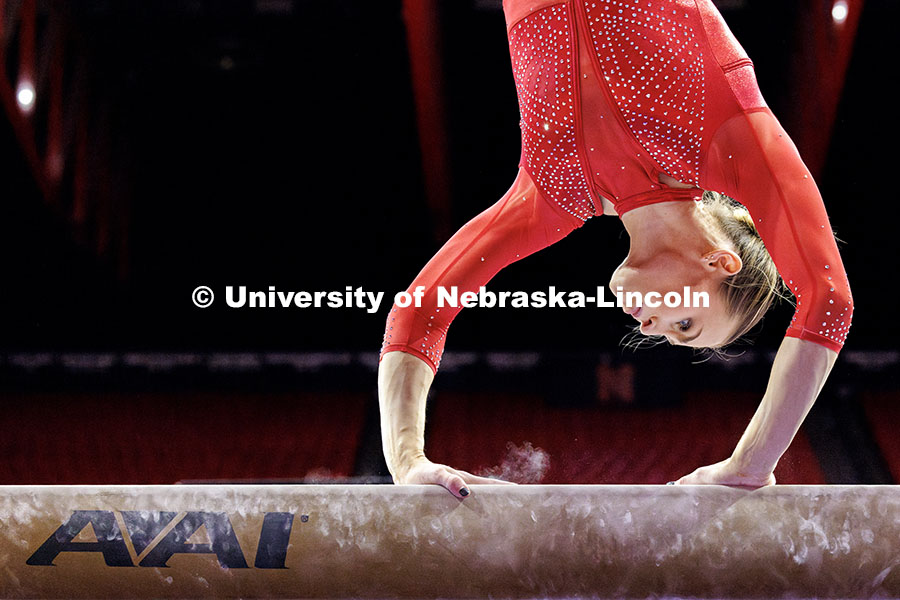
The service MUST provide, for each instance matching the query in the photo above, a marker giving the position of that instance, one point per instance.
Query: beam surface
(383, 541)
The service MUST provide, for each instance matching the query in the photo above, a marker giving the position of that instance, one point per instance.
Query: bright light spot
(839, 11)
(25, 96)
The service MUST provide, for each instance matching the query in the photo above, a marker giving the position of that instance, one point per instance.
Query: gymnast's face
(665, 272)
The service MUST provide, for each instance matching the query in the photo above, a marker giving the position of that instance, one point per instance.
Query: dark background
(299, 167)
(275, 143)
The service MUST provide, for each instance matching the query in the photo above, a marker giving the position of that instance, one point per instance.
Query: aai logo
(156, 536)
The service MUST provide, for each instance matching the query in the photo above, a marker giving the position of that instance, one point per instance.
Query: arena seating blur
(118, 438)
(147, 438)
(883, 413)
(530, 418)
(599, 445)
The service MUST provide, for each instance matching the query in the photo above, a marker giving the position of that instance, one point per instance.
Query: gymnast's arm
(403, 383)
(757, 164)
(519, 224)
(798, 374)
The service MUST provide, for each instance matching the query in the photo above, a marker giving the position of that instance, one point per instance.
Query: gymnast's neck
(670, 227)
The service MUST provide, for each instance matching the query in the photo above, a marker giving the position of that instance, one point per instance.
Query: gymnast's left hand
(726, 473)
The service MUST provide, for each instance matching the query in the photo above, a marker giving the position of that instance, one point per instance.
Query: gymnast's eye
(684, 325)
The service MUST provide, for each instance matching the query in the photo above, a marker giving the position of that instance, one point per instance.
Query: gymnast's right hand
(423, 471)
(403, 383)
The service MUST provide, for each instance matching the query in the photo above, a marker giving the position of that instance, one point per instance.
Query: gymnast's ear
(724, 261)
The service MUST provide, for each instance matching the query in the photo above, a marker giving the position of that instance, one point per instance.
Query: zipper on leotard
(576, 85)
(604, 86)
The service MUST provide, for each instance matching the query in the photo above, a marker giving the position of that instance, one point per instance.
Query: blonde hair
(753, 290)
(749, 293)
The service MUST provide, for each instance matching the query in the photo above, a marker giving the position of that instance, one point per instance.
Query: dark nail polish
(464, 492)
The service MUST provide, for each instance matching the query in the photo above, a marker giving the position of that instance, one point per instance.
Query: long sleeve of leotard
(520, 223)
(753, 160)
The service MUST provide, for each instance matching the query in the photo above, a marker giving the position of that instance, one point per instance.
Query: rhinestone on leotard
(541, 48)
(653, 66)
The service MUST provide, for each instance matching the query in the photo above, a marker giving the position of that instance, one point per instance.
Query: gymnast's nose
(648, 326)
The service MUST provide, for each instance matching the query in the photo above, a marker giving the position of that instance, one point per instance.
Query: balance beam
(383, 541)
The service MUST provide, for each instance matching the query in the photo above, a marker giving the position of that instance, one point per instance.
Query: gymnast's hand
(423, 471)
(403, 383)
(725, 473)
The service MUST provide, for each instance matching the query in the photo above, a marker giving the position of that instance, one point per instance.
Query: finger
(453, 482)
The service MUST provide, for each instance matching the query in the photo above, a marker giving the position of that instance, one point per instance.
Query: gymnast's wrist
(744, 467)
(402, 460)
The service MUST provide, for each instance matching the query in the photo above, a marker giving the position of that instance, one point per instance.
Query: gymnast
(648, 110)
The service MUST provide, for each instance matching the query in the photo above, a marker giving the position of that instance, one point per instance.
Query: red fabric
(613, 93)
(754, 161)
(520, 223)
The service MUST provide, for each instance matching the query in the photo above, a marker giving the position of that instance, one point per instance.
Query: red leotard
(613, 93)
